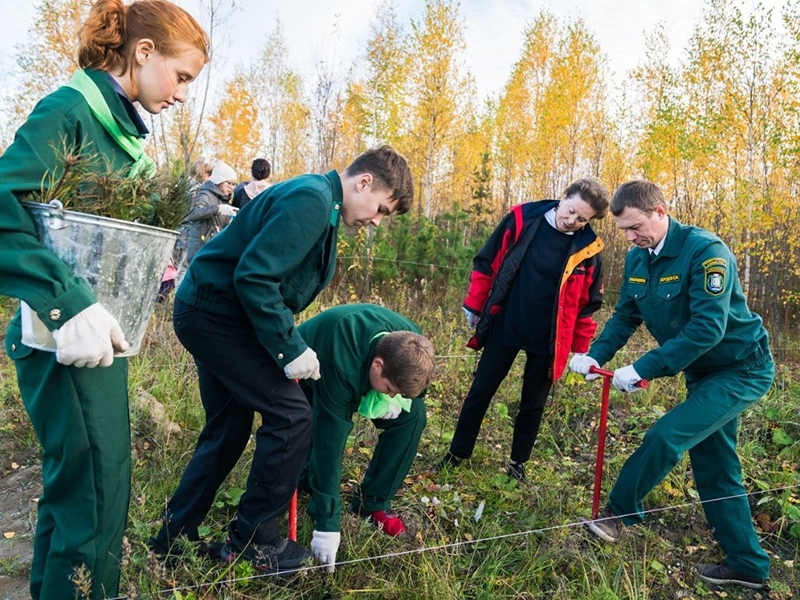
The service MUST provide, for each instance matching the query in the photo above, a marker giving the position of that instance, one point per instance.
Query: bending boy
(367, 354)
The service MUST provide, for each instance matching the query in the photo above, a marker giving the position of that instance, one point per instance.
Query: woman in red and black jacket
(535, 285)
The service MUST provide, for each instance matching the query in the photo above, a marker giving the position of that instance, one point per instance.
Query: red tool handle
(601, 436)
(293, 517)
(642, 383)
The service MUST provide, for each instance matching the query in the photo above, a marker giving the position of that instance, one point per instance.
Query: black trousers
(238, 378)
(494, 364)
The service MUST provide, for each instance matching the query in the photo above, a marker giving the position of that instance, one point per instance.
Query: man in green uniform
(681, 281)
(366, 354)
(234, 311)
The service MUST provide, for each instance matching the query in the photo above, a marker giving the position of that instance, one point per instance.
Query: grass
(527, 541)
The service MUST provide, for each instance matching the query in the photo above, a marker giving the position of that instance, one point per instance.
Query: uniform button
(669, 295)
(335, 207)
(13, 347)
(280, 355)
(55, 314)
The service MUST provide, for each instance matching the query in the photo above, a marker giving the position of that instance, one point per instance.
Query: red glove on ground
(389, 522)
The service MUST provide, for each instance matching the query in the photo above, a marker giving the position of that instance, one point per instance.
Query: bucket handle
(55, 215)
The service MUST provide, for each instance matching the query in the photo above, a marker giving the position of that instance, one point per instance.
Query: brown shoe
(606, 526)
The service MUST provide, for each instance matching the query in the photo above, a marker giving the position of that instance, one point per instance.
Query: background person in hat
(211, 211)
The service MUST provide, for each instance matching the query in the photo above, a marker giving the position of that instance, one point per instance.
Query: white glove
(625, 379)
(472, 318)
(305, 366)
(226, 210)
(581, 363)
(89, 338)
(324, 545)
(394, 412)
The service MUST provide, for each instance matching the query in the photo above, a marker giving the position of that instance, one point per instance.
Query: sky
(338, 29)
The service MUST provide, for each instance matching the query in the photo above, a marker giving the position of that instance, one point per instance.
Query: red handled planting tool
(601, 435)
(293, 517)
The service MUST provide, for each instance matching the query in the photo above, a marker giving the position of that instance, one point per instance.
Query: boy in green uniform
(681, 281)
(234, 311)
(367, 354)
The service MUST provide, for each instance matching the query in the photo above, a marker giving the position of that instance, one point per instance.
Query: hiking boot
(516, 470)
(279, 556)
(723, 573)
(450, 461)
(606, 526)
(386, 520)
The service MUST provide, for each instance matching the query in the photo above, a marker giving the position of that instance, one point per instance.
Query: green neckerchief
(376, 404)
(134, 146)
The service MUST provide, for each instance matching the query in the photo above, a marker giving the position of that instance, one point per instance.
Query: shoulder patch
(715, 262)
(715, 279)
(638, 280)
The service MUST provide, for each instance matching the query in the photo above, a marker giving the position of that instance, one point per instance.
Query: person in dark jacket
(681, 282)
(246, 191)
(534, 287)
(146, 52)
(367, 355)
(211, 211)
(234, 311)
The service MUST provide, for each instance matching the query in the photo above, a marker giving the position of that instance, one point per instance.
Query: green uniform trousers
(392, 458)
(80, 417)
(706, 425)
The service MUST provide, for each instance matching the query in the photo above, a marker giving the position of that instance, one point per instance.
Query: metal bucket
(121, 262)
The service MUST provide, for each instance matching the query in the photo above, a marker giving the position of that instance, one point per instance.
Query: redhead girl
(148, 53)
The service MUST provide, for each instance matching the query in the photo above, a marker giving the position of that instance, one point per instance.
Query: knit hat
(222, 172)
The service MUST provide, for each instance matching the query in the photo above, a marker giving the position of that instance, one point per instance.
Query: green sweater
(273, 259)
(690, 299)
(28, 270)
(344, 340)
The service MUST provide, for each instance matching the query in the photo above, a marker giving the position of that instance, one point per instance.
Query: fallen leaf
(9, 534)
(14, 465)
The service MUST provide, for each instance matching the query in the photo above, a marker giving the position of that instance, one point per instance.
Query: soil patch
(19, 491)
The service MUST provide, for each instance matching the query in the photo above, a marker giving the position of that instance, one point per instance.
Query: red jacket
(580, 291)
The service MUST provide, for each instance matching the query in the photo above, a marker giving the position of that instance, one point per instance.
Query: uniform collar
(123, 110)
(672, 241)
(336, 188)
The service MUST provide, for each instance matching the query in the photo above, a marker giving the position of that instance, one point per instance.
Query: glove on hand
(472, 318)
(625, 379)
(581, 363)
(324, 545)
(394, 411)
(305, 366)
(89, 338)
(226, 210)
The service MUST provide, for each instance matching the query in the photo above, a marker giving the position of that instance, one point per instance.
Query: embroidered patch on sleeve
(715, 269)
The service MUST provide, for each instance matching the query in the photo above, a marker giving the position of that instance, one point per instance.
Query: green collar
(133, 145)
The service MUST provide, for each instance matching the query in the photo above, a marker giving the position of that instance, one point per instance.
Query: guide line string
(459, 544)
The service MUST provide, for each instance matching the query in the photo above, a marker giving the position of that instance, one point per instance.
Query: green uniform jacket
(344, 340)
(28, 270)
(273, 259)
(690, 300)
